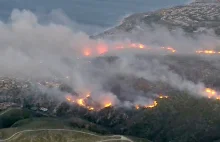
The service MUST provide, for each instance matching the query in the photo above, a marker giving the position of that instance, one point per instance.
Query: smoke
(157, 36)
(154, 71)
(36, 51)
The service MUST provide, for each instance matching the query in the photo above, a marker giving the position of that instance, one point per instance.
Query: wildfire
(163, 97)
(86, 102)
(169, 49)
(207, 52)
(137, 107)
(137, 45)
(108, 105)
(68, 98)
(80, 102)
(152, 105)
(102, 48)
(83, 102)
(91, 108)
(212, 93)
(87, 52)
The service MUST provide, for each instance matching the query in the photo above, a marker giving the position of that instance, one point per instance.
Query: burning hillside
(103, 48)
(92, 105)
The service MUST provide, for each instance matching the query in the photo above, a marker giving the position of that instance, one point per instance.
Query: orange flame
(108, 105)
(83, 102)
(80, 102)
(152, 105)
(169, 49)
(163, 97)
(91, 108)
(207, 52)
(102, 48)
(137, 45)
(137, 107)
(211, 93)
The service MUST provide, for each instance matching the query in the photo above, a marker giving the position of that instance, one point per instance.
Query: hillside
(182, 116)
(196, 17)
(54, 130)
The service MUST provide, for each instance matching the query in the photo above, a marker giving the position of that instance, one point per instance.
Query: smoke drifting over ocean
(30, 50)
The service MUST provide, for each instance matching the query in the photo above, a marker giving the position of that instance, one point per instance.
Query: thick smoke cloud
(35, 51)
(29, 48)
(157, 36)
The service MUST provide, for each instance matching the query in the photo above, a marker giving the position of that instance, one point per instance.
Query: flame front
(152, 105)
(102, 48)
(83, 101)
(207, 52)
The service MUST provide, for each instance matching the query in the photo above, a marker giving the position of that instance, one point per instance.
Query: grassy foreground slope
(54, 130)
(10, 116)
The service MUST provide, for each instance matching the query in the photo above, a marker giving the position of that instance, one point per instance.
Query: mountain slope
(192, 18)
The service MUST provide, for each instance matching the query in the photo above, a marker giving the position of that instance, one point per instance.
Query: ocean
(99, 14)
